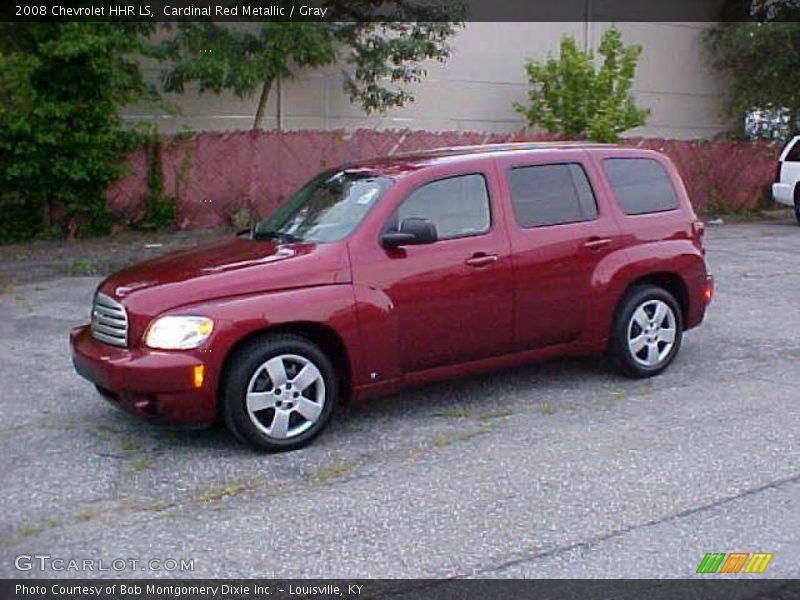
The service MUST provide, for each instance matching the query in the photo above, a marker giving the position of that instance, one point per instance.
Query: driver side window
(458, 206)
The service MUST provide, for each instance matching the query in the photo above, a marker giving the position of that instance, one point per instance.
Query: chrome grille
(109, 321)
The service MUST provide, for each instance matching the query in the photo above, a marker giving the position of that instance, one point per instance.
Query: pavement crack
(625, 530)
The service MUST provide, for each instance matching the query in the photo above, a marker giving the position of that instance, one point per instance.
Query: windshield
(326, 209)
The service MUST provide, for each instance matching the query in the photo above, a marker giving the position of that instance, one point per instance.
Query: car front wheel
(279, 392)
(648, 331)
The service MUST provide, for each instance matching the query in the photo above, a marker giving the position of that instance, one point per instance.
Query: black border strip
(374, 10)
(710, 587)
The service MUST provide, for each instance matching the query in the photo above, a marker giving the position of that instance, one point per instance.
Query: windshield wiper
(269, 234)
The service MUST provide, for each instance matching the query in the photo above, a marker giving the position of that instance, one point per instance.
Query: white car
(786, 188)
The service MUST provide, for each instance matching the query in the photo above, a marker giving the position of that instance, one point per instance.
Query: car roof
(399, 164)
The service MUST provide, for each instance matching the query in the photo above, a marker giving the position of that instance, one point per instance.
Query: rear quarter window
(641, 185)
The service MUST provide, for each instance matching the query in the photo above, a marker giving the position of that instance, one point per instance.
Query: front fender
(235, 318)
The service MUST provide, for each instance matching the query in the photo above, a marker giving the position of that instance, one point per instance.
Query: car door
(558, 233)
(451, 300)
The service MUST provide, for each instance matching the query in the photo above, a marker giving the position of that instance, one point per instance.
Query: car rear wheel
(647, 333)
(279, 392)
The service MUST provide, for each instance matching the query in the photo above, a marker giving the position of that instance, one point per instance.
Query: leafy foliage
(376, 52)
(761, 10)
(379, 59)
(570, 96)
(760, 60)
(160, 208)
(61, 143)
(220, 57)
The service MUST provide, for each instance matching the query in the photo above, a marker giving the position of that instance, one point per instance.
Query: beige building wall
(475, 89)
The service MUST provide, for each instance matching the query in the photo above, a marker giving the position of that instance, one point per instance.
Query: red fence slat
(214, 175)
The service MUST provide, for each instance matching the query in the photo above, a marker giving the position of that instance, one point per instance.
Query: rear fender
(619, 270)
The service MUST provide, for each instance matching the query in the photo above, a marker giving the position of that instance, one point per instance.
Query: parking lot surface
(562, 469)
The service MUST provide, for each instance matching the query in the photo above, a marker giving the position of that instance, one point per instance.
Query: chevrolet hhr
(403, 270)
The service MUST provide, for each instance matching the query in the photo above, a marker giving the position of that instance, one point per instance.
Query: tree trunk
(261, 112)
(47, 213)
(278, 106)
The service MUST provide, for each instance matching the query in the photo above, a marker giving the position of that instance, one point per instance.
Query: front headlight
(174, 332)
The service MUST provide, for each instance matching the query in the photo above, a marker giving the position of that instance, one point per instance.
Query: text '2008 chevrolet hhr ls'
(404, 270)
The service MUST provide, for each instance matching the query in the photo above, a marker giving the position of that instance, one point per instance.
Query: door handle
(481, 260)
(594, 244)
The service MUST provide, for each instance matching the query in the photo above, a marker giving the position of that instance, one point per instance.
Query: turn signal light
(199, 373)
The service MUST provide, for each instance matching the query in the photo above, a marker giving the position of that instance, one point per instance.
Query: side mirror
(413, 232)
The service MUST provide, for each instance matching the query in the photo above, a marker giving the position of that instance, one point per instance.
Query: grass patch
(31, 530)
(445, 441)
(81, 266)
(468, 435)
(130, 447)
(158, 506)
(466, 413)
(229, 490)
(442, 442)
(39, 288)
(85, 515)
(103, 428)
(325, 474)
(455, 413)
(494, 414)
(139, 465)
(547, 409)
(24, 302)
(462, 436)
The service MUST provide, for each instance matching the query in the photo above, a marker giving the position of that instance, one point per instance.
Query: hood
(230, 267)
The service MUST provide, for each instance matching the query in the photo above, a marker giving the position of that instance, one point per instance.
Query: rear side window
(458, 206)
(641, 185)
(794, 153)
(551, 195)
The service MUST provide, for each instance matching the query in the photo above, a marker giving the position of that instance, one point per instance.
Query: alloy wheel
(651, 333)
(285, 396)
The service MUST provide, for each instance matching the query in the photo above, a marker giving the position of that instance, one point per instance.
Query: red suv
(404, 270)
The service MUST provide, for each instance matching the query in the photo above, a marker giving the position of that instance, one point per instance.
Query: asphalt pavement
(561, 469)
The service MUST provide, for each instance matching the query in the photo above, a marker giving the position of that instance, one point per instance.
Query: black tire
(243, 367)
(622, 354)
(797, 203)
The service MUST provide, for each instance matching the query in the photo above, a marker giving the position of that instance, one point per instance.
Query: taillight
(708, 292)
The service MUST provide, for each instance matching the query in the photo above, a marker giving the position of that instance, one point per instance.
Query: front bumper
(783, 193)
(157, 385)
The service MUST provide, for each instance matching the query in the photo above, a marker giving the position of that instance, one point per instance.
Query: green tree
(378, 59)
(569, 95)
(761, 62)
(61, 141)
